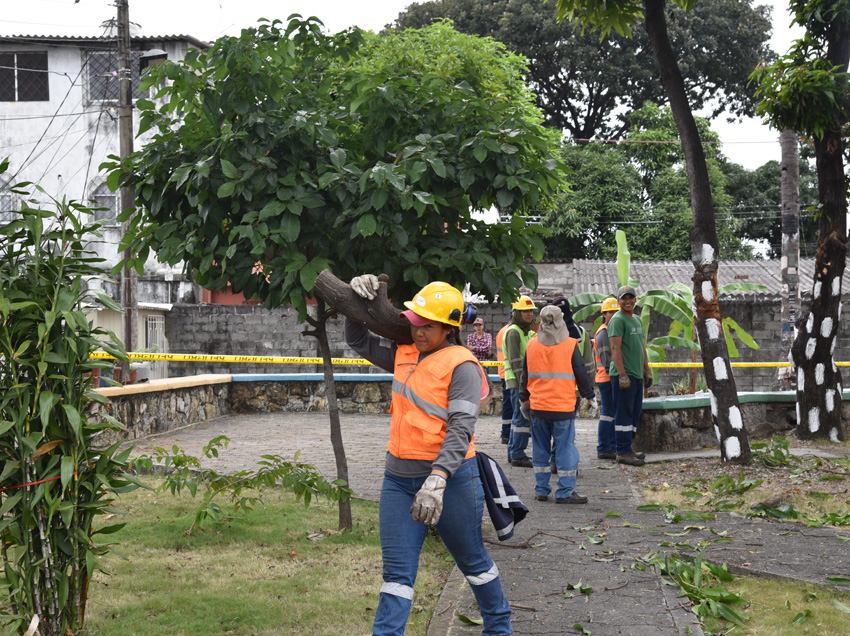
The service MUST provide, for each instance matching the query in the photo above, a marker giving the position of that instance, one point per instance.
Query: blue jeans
(628, 405)
(460, 529)
(520, 430)
(606, 440)
(563, 432)
(507, 411)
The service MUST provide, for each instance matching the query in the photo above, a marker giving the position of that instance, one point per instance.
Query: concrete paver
(556, 546)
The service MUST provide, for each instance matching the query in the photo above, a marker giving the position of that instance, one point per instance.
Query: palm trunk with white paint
(728, 423)
(818, 378)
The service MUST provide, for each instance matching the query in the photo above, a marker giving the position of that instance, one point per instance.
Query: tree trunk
(790, 170)
(728, 422)
(818, 379)
(320, 332)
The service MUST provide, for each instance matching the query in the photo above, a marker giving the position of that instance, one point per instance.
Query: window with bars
(108, 200)
(23, 77)
(8, 207)
(102, 76)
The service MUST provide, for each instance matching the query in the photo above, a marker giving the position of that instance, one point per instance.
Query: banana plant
(676, 303)
(682, 332)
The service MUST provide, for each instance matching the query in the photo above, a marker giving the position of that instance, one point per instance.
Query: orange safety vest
(601, 372)
(500, 352)
(551, 382)
(420, 404)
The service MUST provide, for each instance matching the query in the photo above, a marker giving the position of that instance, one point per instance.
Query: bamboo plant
(56, 478)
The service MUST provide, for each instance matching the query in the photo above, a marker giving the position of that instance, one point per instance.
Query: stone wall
(681, 427)
(158, 411)
(307, 396)
(155, 412)
(255, 330)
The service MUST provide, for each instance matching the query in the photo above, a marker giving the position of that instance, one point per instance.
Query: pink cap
(414, 318)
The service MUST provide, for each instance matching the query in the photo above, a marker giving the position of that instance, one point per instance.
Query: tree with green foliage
(584, 85)
(58, 475)
(808, 91)
(756, 203)
(640, 186)
(285, 151)
(622, 16)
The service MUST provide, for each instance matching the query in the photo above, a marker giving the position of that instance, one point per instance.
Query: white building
(59, 122)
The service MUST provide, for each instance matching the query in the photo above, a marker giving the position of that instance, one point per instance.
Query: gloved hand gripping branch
(365, 286)
(428, 502)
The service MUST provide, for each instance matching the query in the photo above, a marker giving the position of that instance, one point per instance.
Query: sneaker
(553, 469)
(574, 498)
(542, 497)
(630, 459)
(608, 455)
(523, 462)
(505, 440)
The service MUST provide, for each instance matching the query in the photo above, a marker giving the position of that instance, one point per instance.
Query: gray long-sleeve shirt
(465, 386)
(582, 382)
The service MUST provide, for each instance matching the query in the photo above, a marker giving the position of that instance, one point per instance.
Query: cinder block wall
(256, 330)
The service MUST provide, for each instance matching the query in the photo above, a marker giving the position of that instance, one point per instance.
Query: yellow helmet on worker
(610, 304)
(436, 302)
(523, 303)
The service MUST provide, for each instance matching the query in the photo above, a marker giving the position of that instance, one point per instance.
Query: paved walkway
(557, 546)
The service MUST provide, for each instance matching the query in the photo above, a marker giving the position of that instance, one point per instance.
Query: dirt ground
(811, 474)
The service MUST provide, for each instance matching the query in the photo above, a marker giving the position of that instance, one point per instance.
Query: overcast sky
(748, 143)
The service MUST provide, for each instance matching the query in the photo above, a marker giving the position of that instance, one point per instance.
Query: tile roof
(601, 276)
(93, 39)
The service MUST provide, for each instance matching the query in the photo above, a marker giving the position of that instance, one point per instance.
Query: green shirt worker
(629, 372)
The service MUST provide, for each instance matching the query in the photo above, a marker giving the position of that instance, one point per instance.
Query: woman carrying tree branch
(431, 475)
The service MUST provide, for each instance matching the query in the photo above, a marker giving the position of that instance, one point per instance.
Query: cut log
(379, 315)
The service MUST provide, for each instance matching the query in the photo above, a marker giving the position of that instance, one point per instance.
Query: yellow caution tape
(198, 357)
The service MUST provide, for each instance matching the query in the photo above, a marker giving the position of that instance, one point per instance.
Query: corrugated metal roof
(601, 276)
(98, 40)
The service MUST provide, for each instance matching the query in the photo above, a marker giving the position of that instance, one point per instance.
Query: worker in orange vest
(551, 370)
(507, 406)
(431, 466)
(606, 447)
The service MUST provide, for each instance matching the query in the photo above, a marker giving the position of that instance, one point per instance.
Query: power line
(54, 116)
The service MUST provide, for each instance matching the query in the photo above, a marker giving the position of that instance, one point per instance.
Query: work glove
(647, 380)
(428, 502)
(365, 286)
(525, 410)
(591, 404)
(625, 382)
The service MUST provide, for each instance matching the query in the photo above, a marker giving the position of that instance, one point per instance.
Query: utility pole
(790, 169)
(129, 280)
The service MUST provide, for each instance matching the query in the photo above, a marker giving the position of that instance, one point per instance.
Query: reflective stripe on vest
(420, 403)
(601, 372)
(551, 382)
(524, 338)
(500, 353)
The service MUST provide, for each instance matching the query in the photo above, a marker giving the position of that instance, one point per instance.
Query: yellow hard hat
(523, 303)
(610, 304)
(438, 302)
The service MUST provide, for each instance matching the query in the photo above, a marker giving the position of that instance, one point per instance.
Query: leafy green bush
(55, 476)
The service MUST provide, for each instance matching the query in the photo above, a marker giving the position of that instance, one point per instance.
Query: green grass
(774, 605)
(279, 569)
